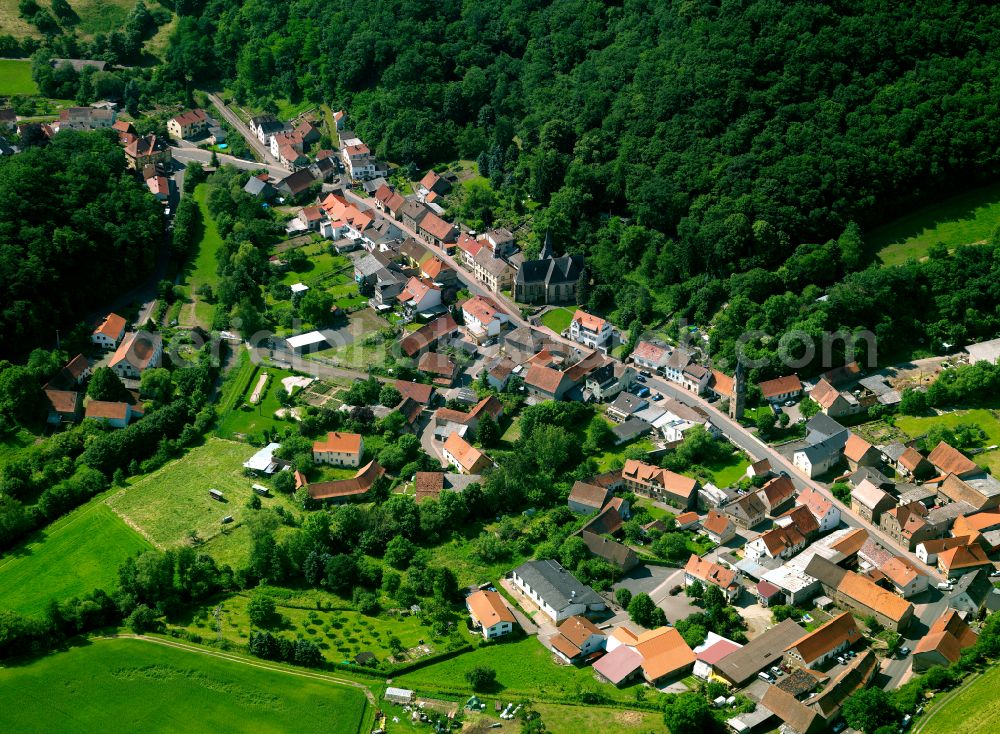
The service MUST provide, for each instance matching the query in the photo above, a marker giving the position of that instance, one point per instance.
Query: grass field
(174, 500)
(558, 319)
(15, 77)
(728, 472)
(524, 668)
(247, 420)
(203, 269)
(73, 556)
(961, 220)
(985, 419)
(974, 709)
(561, 719)
(132, 685)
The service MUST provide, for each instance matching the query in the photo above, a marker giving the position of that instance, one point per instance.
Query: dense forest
(75, 230)
(718, 136)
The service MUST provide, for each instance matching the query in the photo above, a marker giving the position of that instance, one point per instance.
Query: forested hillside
(75, 230)
(727, 133)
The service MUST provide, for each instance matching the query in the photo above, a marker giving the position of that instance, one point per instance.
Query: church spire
(547, 252)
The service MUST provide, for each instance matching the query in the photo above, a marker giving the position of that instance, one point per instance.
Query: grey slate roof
(555, 585)
(761, 652)
(827, 447)
(632, 428)
(821, 426)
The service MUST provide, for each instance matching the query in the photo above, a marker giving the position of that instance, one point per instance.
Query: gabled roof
(801, 517)
(437, 364)
(862, 590)
(106, 409)
(555, 585)
(649, 352)
(825, 394)
(710, 573)
(780, 386)
(777, 490)
(578, 630)
(780, 539)
(489, 608)
(138, 348)
(588, 321)
(190, 117)
(437, 227)
(819, 505)
(764, 650)
(610, 550)
(900, 571)
(430, 332)
(870, 496)
(481, 308)
(618, 664)
(722, 383)
(359, 484)
(468, 456)
(856, 447)
(798, 717)
(588, 494)
(664, 652)
(838, 631)
(63, 401)
(672, 482)
(336, 442)
(112, 326)
(949, 460)
(962, 556)
(715, 523)
(417, 391)
(544, 378)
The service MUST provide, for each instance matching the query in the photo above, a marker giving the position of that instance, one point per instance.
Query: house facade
(188, 124)
(490, 614)
(591, 331)
(339, 449)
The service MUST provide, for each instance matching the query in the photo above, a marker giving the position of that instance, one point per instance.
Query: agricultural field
(341, 633)
(524, 668)
(974, 708)
(202, 269)
(15, 74)
(968, 218)
(558, 319)
(560, 719)
(173, 501)
(145, 686)
(73, 556)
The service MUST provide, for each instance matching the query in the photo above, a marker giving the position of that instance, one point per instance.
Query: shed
(216, 495)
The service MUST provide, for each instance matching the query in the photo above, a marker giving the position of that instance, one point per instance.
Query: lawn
(560, 719)
(341, 633)
(132, 685)
(15, 77)
(524, 669)
(74, 555)
(167, 504)
(203, 269)
(968, 218)
(655, 511)
(249, 421)
(728, 472)
(985, 419)
(607, 458)
(975, 709)
(558, 319)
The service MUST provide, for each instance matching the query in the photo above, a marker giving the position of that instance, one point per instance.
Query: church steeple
(737, 403)
(547, 251)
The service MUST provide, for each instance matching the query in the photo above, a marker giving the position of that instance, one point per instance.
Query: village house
(591, 331)
(660, 484)
(817, 648)
(980, 527)
(860, 595)
(344, 490)
(661, 655)
(435, 231)
(795, 716)
(85, 118)
(462, 455)
(264, 126)
(859, 453)
(296, 183)
(802, 519)
(339, 449)
(433, 182)
(497, 274)
(962, 559)
(114, 414)
(716, 526)
(650, 357)
(927, 551)
(907, 461)
(711, 651)
(587, 498)
(549, 279)
(430, 484)
(906, 579)
(833, 402)
(441, 367)
(138, 352)
(438, 272)
(311, 217)
(711, 574)
(64, 406)
(490, 614)
(611, 551)
(428, 336)
(748, 511)
(907, 525)
(419, 296)
(980, 491)
(781, 389)
(72, 374)
(358, 160)
(110, 331)
(558, 594)
(949, 460)
(547, 383)
(944, 642)
(764, 651)
(499, 372)
(777, 494)
(820, 457)
(483, 318)
(126, 132)
(159, 187)
(149, 150)
(827, 514)
(577, 640)
(773, 547)
(189, 124)
(870, 502)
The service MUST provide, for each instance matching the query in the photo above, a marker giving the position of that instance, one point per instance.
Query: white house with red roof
(591, 331)
(650, 356)
(420, 295)
(483, 318)
(109, 332)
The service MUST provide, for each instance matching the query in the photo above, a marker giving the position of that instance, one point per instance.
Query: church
(549, 279)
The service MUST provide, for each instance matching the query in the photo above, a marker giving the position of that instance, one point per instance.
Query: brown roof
(359, 484)
(543, 378)
(910, 459)
(716, 523)
(708, 572)
(962, 556)
(664, 652)
(724, 384)
(342, 443)
(827, 637)
(77, 366)
(949, 460)
(417, 391)
(437, 227)
(778, 490)
(780, 386)
(190, 117)
(799, 717)
(606, 522)
(856, 447)
(803, 519)
(851, 543)
(824, 393)
(427, 334)
(610, 550)
(430, 179)
(63, 401)
(563, 645)
(778, 540)
(438, 364)
(874, 597)
(817, 503)
(138, 348)
(489, 608)
(937, 545)
(107, 410)
(489, 405)
(428, 484)
(468, 456)
(900, 571)
(112, 326)
(588, 494)
(670, 481)
(686, 518)
(578, 630)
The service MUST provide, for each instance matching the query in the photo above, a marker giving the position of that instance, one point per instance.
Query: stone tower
(737, 402)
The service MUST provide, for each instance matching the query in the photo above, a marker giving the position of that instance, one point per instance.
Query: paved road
(185, 155)
(233, 119)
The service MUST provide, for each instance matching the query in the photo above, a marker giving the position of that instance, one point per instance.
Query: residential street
(234, 120)
(184, 155)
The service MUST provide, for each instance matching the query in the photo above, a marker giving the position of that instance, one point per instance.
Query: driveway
(645, 579)
(545, 628)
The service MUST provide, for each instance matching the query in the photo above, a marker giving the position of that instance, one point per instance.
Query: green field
(728, 472)
(133, 685)
(558, 319)
(560, 719)
(15, 77)
(524, 668)
(974, 709)
(965, 219)
(204, 268)
(174, 500)
(73, 556)
(96, 16)
(246, 420)
(985, 419)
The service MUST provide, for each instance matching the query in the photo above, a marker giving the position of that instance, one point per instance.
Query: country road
(186, 155)
(233, 119)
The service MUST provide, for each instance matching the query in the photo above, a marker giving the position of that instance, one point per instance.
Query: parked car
(656, 397)
(674, 591)
(789, 403)
(642, 392)
(904, 651)
(640, 378)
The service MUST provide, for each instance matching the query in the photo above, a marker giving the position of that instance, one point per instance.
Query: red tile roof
(336, 442)
(415, 391)
(780, 386)
(359, 484)
(949, 460)
(112, 326)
